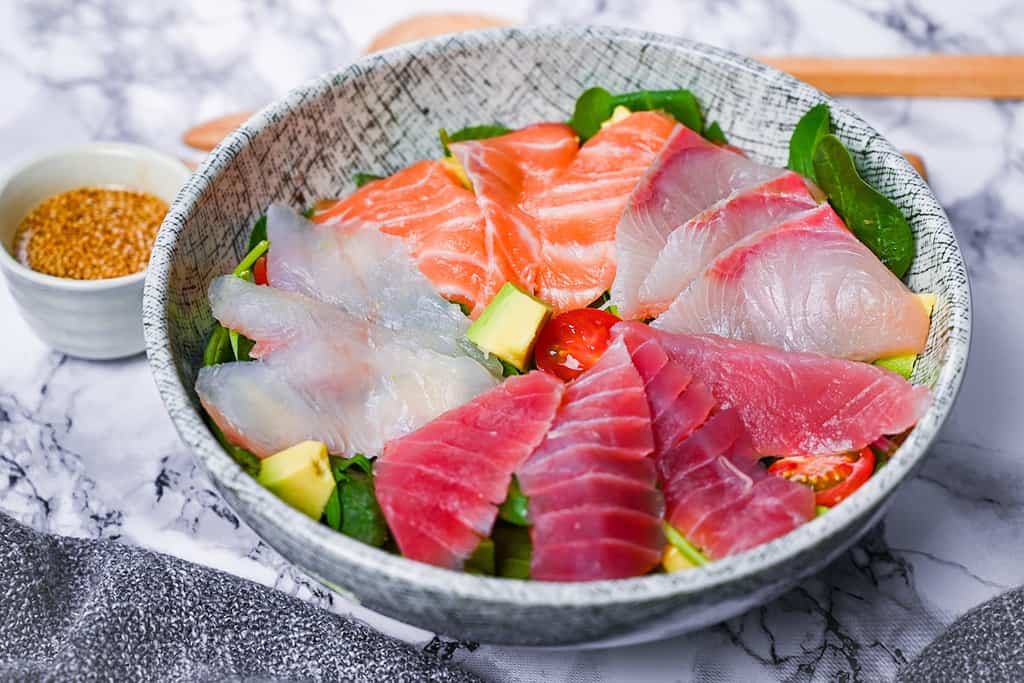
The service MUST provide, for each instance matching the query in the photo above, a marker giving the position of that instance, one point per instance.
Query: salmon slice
(587, 497)
(500, 169)
(806, 285)
(696, 243)
(720, 498)
(793, 403)
(438, 217)
(578, 210)
(324, 374)
(419, 492)
(688, 176)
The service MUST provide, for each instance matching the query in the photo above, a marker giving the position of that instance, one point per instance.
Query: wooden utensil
(986, 76)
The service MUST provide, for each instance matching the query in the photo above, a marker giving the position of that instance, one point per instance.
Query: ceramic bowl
(97, 319)
(383, 113)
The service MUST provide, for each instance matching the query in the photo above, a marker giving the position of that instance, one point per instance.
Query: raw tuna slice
(595, 509)
(323, 374)
(429, 208)
(805, 285)
(446, 480)
(500, 169)
(793, 403)
(688, 176)
(696, 243)
(679, 403)
(720, 498)
(578, 210)
(366, 273)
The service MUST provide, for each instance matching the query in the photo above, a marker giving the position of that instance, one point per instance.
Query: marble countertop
(86, 448)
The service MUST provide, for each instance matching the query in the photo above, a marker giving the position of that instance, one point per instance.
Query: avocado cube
(509, 326)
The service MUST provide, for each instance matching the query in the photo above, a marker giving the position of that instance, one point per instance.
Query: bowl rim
(148, 155)
(194, 432)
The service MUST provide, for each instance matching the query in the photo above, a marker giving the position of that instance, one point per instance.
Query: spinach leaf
(512, 551)
(482, 559)
(714, 133)
(810, 129)
(508, 370)
(684, 547)
(332, 512)
(470, 133)
(259, 232)
(872, 216)
(218, 349)
(361, 516)
(244, 269)
(358, 513)
(516, 506)
(308, 213)
(595, 106)
(361, 179)
(340, 465)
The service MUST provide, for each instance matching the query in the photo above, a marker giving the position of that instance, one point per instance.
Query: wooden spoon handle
(985, 76)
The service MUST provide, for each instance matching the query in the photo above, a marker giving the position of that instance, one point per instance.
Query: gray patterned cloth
(986, 644)
(83, 610)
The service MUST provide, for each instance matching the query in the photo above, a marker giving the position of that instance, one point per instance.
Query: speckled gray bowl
(382, 113)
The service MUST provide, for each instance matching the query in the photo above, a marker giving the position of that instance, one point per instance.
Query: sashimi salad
(575, 351)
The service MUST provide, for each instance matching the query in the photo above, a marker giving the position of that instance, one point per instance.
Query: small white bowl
(96, 319)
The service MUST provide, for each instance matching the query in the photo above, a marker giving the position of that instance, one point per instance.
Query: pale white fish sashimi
(366, 273)
(688, 176)
(697, 242)
(324, 374)
(805, 285)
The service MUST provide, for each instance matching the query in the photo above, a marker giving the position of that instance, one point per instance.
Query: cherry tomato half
(573, 341)
(833, 477)
(259, 270)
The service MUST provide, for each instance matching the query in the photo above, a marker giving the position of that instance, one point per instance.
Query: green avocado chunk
(509, 325)
(300, 476)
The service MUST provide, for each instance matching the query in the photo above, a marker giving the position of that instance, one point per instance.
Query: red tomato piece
(259, 270)
(833, 477)
(573, 341)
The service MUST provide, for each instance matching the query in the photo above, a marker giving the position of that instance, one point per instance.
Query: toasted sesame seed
(90, 233)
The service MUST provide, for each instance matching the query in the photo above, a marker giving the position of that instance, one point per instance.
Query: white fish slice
(324, 374)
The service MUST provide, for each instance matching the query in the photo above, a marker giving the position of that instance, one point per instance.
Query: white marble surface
(86, 449)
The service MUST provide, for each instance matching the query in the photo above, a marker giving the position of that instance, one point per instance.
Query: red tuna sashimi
(592, 517)
(440, 486)
(437, 217)
(500, 169)
(688, 176)
(678, 402)
(805, 285)
(696, 243)
(794, 403)
(720, 498)
(577, 212)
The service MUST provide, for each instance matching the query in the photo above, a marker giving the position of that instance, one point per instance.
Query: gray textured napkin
(986, 644)
(73, 609)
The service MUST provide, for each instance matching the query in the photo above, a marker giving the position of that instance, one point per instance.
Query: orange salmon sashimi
(501, 169)
(428, 207)
(577, 211)
(542, 212)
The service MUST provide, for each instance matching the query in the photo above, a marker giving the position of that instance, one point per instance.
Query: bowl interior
(383, 113)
